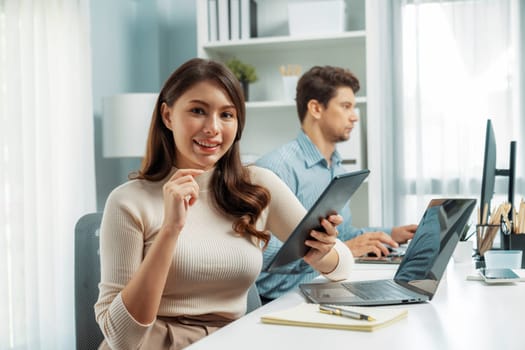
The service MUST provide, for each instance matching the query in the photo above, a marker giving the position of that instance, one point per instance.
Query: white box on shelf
(350, 150)
(316, 17)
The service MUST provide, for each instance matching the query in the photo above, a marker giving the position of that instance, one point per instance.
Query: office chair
(254, 300)
(87, 277)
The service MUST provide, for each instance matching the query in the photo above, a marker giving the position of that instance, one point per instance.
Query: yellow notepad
(308, 315)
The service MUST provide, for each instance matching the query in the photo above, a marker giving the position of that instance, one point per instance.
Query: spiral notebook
(308, 315)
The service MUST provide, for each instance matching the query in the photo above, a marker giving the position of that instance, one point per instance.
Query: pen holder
(517, 242)
(485, 235)
(505, 233)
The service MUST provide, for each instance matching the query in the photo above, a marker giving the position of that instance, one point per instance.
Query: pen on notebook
(327, 309)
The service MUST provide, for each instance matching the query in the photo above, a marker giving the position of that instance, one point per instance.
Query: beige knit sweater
(212, 266)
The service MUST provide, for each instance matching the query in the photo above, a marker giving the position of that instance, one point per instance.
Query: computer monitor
(490, 171)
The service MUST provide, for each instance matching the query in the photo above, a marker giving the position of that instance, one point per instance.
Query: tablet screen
(332, 200)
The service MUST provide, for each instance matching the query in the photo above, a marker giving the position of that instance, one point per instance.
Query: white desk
(466, 315)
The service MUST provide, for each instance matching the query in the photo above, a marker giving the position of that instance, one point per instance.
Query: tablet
(331, 201)
(499, 275)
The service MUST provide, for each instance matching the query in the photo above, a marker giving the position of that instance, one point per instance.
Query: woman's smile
(208, 146)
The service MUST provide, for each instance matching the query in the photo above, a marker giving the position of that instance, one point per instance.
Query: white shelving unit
(272, 120)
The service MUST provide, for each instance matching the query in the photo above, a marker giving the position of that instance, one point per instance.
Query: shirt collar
(312, 155)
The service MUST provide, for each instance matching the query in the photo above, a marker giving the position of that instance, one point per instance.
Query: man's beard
(342, 138)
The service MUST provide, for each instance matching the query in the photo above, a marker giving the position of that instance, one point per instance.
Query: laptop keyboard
(378, 290)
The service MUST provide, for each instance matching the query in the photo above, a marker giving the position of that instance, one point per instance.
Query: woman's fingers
(182, 185)
(323, 241)
(180, 192)
(335, 219)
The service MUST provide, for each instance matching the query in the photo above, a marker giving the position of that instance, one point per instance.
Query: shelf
(286, 42)
(269, 104)
(271, 118)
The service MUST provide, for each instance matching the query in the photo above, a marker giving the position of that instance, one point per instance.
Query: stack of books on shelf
(232, 19)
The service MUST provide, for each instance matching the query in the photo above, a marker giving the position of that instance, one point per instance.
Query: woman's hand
(322, 244)
(180, 192)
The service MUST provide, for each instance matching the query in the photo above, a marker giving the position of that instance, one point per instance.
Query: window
(459, 67)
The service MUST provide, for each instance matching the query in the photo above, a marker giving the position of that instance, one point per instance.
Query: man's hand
(401, 234)
(371, 242)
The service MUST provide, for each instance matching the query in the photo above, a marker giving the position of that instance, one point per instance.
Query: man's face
(339, 116)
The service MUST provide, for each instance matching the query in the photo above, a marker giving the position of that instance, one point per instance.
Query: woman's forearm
(142, 295)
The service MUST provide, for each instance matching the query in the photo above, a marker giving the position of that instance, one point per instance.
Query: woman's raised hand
(180, 192)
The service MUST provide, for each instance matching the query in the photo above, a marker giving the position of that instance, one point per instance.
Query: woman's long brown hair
(234, 194)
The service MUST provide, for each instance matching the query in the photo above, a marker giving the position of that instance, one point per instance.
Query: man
(325, 100)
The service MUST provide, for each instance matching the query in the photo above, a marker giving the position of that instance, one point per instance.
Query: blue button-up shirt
(304, 169)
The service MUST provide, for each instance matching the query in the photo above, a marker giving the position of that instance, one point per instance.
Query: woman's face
(204, 124)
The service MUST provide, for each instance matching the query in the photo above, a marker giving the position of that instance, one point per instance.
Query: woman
(182, 242)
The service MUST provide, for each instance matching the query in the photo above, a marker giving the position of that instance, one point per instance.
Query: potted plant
(244, 72)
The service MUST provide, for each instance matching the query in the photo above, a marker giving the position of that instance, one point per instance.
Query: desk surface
(463, 315)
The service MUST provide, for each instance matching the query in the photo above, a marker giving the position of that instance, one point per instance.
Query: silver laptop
(419, 273)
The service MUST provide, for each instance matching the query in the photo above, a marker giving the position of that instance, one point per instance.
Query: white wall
(136, 45)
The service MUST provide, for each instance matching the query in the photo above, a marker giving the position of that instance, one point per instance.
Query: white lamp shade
(125, 124)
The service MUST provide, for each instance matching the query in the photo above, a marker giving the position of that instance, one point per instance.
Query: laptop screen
(429, 252)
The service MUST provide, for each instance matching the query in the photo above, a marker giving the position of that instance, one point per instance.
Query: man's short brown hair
(321, 83)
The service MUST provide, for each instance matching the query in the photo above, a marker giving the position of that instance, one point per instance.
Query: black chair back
(87, 277)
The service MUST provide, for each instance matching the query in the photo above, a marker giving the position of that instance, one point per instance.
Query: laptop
(332, 200)
(419, 273)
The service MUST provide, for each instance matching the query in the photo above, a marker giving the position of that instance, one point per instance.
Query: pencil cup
(517, 242)
(485, 235)
(289, 86)
(463, 252)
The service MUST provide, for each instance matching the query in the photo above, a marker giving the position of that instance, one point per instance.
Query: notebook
(418, 276)
(332, 200)
(308, 315)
